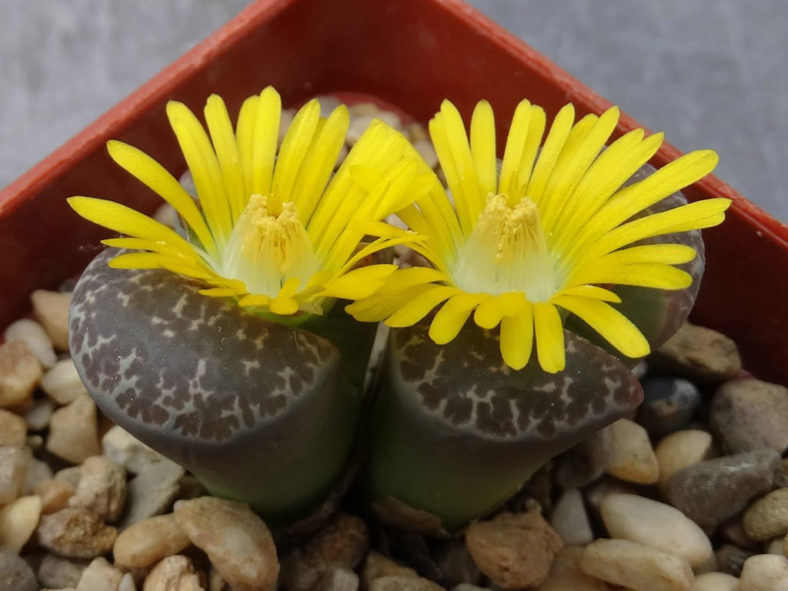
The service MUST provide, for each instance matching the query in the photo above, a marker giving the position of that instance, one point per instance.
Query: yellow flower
(545, 235)
(268, 227)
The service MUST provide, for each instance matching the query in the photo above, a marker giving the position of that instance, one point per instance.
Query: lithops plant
(225, 348)
(535, 248)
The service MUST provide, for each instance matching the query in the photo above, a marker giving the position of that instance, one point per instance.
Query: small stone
(127, 583)
(715, 581)
(18, 521)
(101, 489)
(72, 474)
(62, 382)
(38, 415)
(54, 494)
(338, 579)
(73, 432)
(570, 520)
(455, 563)
(680, 450)
(732, 531)
(57, 572)
(709, 566)
(360, 123)
(597, 492)
(711, 491)
(730, 559)
(376, 565)
(51, 310)
(13, 429)
(20, 372)
(342, 543)
(100, 575)
(764, 572)
(152, 491)
(76, 533)
(236, 540)
(668, 404)
(123, 448)
(216, 582)
(776, 546)
(13, 469)
(636, 566)
(698, 353)
(469, 587)
(632, 458)
(174, 573)
(750, 414)
(37, 471)
(32, 333)
(657, 525)
(768, 516)
(148, 541)
(586, 461)
(403, 583)
(15, 573)
(566, 574)
(417, 132)
(514, 550)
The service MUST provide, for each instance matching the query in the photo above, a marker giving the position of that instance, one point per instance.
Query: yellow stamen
(268, 247)
(506, 252)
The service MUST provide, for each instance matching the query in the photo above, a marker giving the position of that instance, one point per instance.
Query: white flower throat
(268, 245)
(507, 251)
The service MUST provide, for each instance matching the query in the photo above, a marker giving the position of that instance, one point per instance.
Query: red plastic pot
(409, 53)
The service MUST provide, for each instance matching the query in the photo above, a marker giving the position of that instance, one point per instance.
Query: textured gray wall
(710, 73)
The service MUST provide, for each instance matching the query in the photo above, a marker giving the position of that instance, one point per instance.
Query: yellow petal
(265, 136)
(154, 176)
(416, 309)
(551, 150)
(611, 324)
(220, 129)
(293, 151)
(483, 147)
(283, 306)
(489, 313)
(549, 333)
(358, 283)
(593, 292)
(451, 317)
(254, 300)
(517, 337)
(641, 274)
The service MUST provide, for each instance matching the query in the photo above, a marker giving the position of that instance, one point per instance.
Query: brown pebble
(13, 428)
(174, 573)
(20, 372)
(76, 533)
(101, 488)
(376, 565)
(51, 310)
(404, 583)
(54, 494)
(236, 540)
(698, 353)
(73, 433)
(148, 541)
(514, 550)
(768, 516)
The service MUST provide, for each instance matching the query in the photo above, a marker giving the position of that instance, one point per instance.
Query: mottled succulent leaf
(456, 431)
(258, 411)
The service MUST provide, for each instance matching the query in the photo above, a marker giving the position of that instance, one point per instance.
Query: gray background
(710, 73)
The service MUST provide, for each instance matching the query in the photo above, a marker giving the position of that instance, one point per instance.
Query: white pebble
(715, 582)
(51, 309)
(36, 338)
(682, 449)
(20, 372)
(655, 524)
(570, 519)
(636, 566)
(18, 521)
(62, 383)
(100, 575)
(632, 457)
(764, 572)
(776, 546)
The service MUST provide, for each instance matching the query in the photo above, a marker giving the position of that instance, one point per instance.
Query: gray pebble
(750, 414)
(730, 559)
(698, 353)
(152, 491)
(586, 461)
(711, 491)
(456, 564)
(15, 574)
(668, 404)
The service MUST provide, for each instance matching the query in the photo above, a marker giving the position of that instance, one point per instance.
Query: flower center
(268, 245)
(507, 251)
